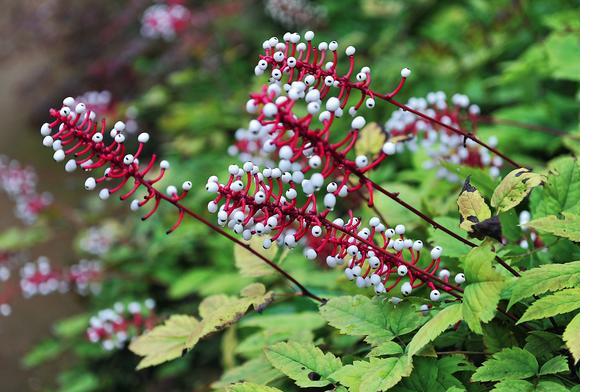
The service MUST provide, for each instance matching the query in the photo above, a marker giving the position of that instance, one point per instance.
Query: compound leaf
(307, 365)
(549, 277)
(508, 364)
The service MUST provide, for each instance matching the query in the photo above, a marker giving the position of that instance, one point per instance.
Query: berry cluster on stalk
(20, 185)
(255, 203)
(40, 278)
(441, 144)
(113, 327)
(165, 20)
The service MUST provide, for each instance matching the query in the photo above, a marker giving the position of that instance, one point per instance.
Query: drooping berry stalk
(74, 132)
(267, 204)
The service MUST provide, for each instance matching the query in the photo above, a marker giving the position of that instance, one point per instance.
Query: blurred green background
(518, 60)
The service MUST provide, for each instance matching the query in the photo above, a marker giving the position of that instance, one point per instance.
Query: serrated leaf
(561, 191)
(379, 321)
(471, 207)
(219, 311)
(370, 140)
(514, 187)
(549, 277)
(255, 343)
(558, 303)
(571, 337)
(542, 344)
(385, 373)
(351, 375)
(249, 387)
(385, 349)
(567, 226)
(434, 328)
(250, 265)
(483, 288)
(164, 342)
(257, 371)
(555, 365)
(307, 365)
(496, 337)
(357, 316)
(508, 364)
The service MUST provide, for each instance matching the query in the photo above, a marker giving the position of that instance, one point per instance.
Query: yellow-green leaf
(250, 265)
(307, 365)
(385, 373)
(471, 206)
(483, 289)
(370, 140)
(434, 328)
(514, 188)
(549, 277)
(567, 226)
(558, 303)
(219, 311)
(164, 342)
(571, 337)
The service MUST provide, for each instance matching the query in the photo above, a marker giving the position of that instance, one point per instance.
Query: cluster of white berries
(97, 240)
(164, 21)
(20, 185)
(440, 144)
(292, 13)
(114, 327)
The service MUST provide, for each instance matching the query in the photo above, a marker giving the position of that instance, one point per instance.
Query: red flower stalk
(115, 326)
(310, 78)
(74, 132)
(267, 204)
(293, 60)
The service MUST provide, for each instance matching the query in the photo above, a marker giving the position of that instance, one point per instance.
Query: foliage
(504, 332)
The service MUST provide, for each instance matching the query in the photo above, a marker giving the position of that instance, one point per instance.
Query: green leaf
(452, 248)
(72, 326)
(380, 322)
(483, 289)
(434, 328)
(563, 55)
(561, 191)
(496, 337)
(557, 364)
(351, 375)
(43, 352)
(514, 187)
(249, 387)
(164, 342)
(543, 344)
(508, 364)
(257, 370)
(571, 337)
(561, 302)
(305, 364)
(567, 227)
(471, 207)
(550, 386)
(385, 349)
(549, 277)
(385, 373)
(514, 386)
